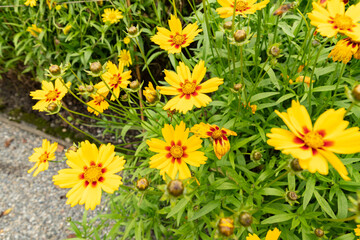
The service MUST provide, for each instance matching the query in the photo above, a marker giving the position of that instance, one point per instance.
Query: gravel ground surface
(39, 209)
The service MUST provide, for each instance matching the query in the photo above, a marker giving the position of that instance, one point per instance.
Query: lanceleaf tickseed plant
(193, 99)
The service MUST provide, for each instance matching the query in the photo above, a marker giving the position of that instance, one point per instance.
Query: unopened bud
(226, 226)
(52, 107)
(257, 155)
(134, 84)
(238, 86)
(132, 30)
(315, 43)
(57, 41)
(72, 148)
(292, 196)
(95, 67)
(82, 88)
(319, 232)
(89, 88)
(356, 92)
(240, 35)
(295, 165)
(54, 69)
(175, 187)
(142, 184)
(228, 25)
(245, 219)
(275, 51)
(124, 97)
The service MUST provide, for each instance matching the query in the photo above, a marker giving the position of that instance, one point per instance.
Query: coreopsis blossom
(31, 3)
(334, 19)
(323, 3)
(66, 30)
(187, 87)
(34, 30)
(242, 7)
(125, 58)
(42, 156)
(218, 137)
(98, 103)
(150, 93)
(49, 94)
(176, 152)
(177, 38)
(91, 171)
(315, 146)
(304, 79)
(126, 40)
(345, 49)
(113, 79)
(111, 16)
(357, 231)
(271, 235)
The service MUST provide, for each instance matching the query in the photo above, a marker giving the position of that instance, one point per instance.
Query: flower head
(49, 94)
(98, 103)
(125, 58)
(242, 7)
(271, 235)
(48, 2)
(32, 3)
(42, 156)
(187, 87)
(176, 152)
(345, 49)
(304, 79)
(335, 19)
(91, 171)
(34, 30)
(114, 79)
(66, 30)
(150, 93)
(357, 230)
(315, 146)
(111, 16)
(218, 136)
(126, 40)
(177, 38)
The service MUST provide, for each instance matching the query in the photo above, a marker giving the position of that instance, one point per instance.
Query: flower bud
(228, 25)
(90, 88)
(82, 88)
(292, 196)
(356, 92)
(134, 84)
(57, 41)
(124, 97)
(142, 184)
(257, 155)
(275, 51)
(295, 165)
(54, 69)
(226, 226)
(72, 148)
(175, 187)
(95, 67)
(315, 43)
(240, 35)
(132, 30)
(126, 40)
(52, 107)
(238, 86)
(245, 219)
(319, 232)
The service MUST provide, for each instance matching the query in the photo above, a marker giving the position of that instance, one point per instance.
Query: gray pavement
(39, 209)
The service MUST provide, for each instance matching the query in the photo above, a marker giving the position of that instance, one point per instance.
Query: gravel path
(39, 209)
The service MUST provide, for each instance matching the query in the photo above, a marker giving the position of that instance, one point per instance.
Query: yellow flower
(91, 171)
(115, 79)
(126, 40)
(315, 146)
(243, 7)
(323, 3)
(176, 152)
(304, 79)
(42, 156)
(218, 137)
(357, 230)
(49, 94)
(345, 49)
(32, 3)
(99, 103)
(125, 58)
(111, 16)
(177, 38)
(271, 235)
(48, 2)
(34, 30)
(187, 87)
(66, 30)
(150, 93)
(335, 20)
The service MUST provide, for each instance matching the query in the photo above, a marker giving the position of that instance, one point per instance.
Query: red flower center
(217, 134)
(313, 140)
(178, 39)
(43, 157)
(52, 95)
(176, 151)
(188, 87)
(343, 22)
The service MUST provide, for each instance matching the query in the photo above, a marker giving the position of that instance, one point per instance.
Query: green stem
(277, 179)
